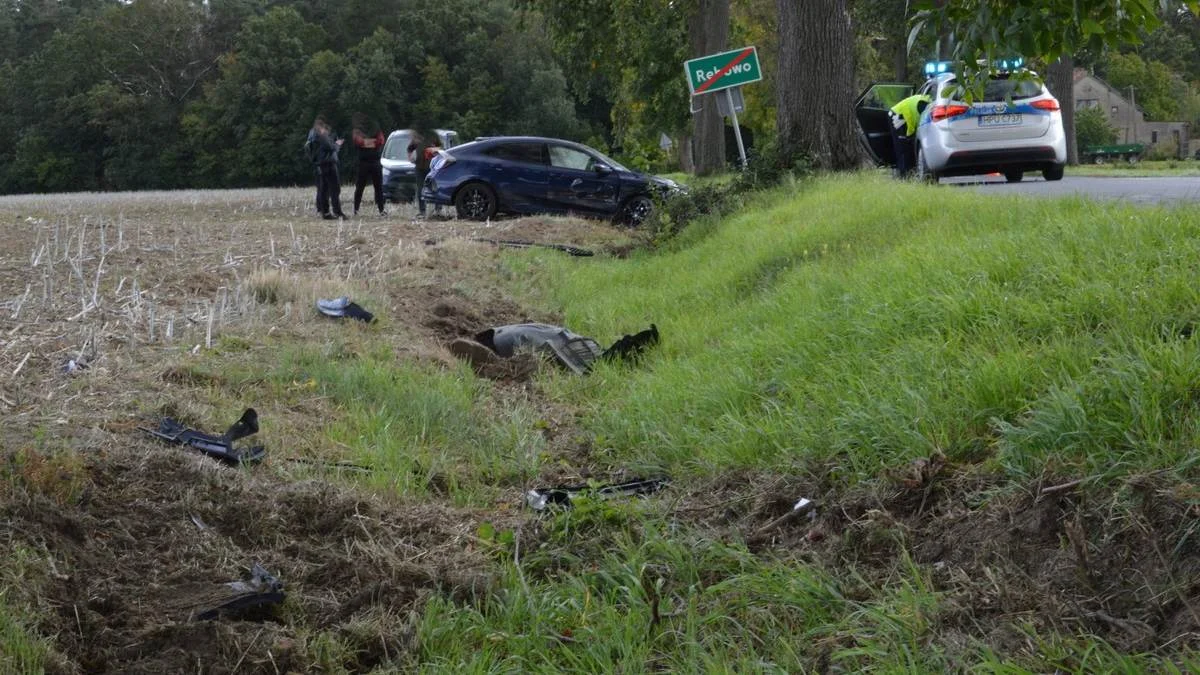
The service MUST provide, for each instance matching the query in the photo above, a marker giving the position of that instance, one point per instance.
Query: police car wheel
(1014, 176)
(923, 172)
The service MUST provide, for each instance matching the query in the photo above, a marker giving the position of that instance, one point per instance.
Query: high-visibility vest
(908, 110)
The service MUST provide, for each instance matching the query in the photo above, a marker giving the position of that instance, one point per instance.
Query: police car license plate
(1005, 120)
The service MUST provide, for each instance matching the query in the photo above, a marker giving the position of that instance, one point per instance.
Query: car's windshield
(998, 88)
(609, 161)
(397, 146)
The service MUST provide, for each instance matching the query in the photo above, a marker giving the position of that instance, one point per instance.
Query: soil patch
(155, 532)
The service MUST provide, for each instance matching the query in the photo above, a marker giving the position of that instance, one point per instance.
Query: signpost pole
(737, 130)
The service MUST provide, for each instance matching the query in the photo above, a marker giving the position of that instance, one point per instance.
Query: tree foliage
(987, 30)
(127, 94)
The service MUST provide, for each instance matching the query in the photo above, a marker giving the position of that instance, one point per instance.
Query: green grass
(844, 327)
(1170, 167)
(865, 324)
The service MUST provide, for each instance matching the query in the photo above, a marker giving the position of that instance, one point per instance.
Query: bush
(765, 168)
(1092, 128)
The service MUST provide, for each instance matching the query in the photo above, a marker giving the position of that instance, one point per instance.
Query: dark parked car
(525, 174)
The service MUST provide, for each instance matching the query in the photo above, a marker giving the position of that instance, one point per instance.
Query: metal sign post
(737, 131)
(725, 71)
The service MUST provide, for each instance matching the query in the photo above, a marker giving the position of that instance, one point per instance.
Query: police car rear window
(998, 89)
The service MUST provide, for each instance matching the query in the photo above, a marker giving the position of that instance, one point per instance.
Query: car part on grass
(262, 589)
(631, 347)
(342, 307)
(517, 243)
(217, 447)
(542, 498)
(575, 352)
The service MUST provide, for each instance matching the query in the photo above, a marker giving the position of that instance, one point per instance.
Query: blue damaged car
(528, 174)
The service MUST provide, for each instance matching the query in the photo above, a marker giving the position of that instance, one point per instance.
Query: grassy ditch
(995, 400)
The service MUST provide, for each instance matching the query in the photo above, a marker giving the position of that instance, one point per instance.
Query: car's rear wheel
(1054, 172)
(1014, 176)
(923, 173)
(475, 201)
(636, 210)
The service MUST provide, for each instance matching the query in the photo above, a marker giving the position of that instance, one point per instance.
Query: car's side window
(527, 153)
(569, 158)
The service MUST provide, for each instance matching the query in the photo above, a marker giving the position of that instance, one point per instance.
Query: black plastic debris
(261, 590)
(519, 243)
(543, 498)
(217, 447)
(342, 307)
(631, 347)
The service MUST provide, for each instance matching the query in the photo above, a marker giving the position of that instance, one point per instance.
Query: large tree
(708, 30)
(1060, 78)
(815, 84)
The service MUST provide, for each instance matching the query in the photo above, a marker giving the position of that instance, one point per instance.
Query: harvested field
(117, 309)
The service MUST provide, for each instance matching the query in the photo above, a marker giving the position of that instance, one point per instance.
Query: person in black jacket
(310, 151)
(327, 145)
(422, 150)
(369, 146)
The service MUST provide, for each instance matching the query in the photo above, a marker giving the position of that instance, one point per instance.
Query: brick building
(1126, 118)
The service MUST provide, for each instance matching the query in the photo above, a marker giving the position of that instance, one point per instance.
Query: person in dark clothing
(310, 151)
(327, 145)
(369, 146)
(422, 150)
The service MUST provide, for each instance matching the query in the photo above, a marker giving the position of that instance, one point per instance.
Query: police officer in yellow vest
(906, 116)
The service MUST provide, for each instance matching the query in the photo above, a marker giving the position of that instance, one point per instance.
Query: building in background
(1127, 118)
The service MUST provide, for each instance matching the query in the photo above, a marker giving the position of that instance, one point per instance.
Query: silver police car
(1015, 128)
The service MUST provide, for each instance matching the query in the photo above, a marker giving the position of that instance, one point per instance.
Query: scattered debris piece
(802, 507)
(542, 498)
(571, 350)
(342, 307)
(261, 590)
(518, 243)
(73, 366)
(217, 447)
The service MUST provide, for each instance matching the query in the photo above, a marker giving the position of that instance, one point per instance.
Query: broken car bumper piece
(543, 498)
(217, 447)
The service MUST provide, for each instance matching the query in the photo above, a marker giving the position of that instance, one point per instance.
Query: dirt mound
(150, 535)
(1123, 565)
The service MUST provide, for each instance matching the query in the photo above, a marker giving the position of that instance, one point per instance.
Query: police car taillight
(1048, 104)
(945, 112)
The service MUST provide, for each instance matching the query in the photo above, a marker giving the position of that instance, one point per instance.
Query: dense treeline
(135, 94)
(103, 94)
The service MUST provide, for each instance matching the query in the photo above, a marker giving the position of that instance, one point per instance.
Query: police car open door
(874, 126)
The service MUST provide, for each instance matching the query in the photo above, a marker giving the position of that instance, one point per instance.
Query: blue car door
(579, 182)
(518, 172)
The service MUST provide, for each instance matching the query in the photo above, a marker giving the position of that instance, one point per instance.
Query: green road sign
(722, 71)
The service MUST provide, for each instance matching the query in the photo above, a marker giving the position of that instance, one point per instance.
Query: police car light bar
(937, 67)
(1012, 63)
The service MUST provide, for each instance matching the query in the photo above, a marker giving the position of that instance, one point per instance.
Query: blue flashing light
(937, 67)
(1012, 63)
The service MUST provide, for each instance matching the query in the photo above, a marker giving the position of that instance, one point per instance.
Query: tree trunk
(709, 32)
(1060, 79)
(815, 87)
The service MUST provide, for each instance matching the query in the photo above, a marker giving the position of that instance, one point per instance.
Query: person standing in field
(369, 146)
(327, 145)
(422, 150)
(310, 151)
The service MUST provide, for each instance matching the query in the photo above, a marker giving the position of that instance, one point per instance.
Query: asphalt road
(1156, 190)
